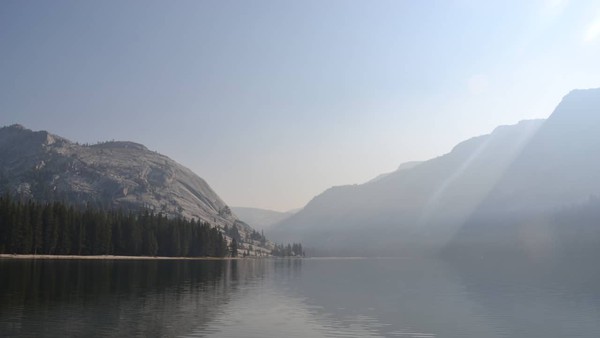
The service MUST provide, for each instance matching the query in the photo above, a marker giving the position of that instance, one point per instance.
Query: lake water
(294, 298)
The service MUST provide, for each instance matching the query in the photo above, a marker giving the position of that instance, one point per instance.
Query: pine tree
(233, 248)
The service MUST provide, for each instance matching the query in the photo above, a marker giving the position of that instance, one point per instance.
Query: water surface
(293, 298)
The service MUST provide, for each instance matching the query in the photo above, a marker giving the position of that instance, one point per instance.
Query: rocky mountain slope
(46, 167)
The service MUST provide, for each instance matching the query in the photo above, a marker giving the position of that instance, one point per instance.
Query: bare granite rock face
(46, 167)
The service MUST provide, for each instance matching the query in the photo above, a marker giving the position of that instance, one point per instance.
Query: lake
(386, 297)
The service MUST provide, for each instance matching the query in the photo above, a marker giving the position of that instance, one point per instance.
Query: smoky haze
(273, 102)
(528, 188)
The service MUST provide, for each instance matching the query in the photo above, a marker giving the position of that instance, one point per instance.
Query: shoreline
(113, 257)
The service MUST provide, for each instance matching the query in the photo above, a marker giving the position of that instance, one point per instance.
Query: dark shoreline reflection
(111, 298)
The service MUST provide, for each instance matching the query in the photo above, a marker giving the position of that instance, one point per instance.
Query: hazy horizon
(273, 102)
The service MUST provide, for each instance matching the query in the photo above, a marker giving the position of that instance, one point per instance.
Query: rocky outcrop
(45, 167)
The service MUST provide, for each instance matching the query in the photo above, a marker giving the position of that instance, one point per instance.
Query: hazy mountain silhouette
(260, 218)
(548, 195)
(515, 189)
(403, 166)
(413, 210)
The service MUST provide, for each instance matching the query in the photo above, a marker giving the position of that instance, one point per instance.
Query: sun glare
(592, 32)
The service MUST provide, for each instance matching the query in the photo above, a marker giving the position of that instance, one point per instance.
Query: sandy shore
(111, 257)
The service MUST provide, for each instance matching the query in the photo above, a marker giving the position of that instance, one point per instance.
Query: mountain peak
(583, 91)
(580, 104)
(120, 145)
(16, 126)
(41, 136)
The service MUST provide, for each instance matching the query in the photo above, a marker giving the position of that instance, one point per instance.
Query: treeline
(58, 229)
(291, 250)
(234, 233)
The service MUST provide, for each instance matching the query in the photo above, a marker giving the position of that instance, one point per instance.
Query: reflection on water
(292, 298)
(108, 298)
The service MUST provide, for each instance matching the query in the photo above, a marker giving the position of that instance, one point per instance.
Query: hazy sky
(274, 101)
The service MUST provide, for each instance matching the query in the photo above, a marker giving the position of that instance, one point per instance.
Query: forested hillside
(58, 229)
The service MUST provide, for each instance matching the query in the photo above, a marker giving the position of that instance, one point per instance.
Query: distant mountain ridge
(413, 209)
(547, 200)
(560, 164)
(260, 218)
(403, 166)
(505, 190)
